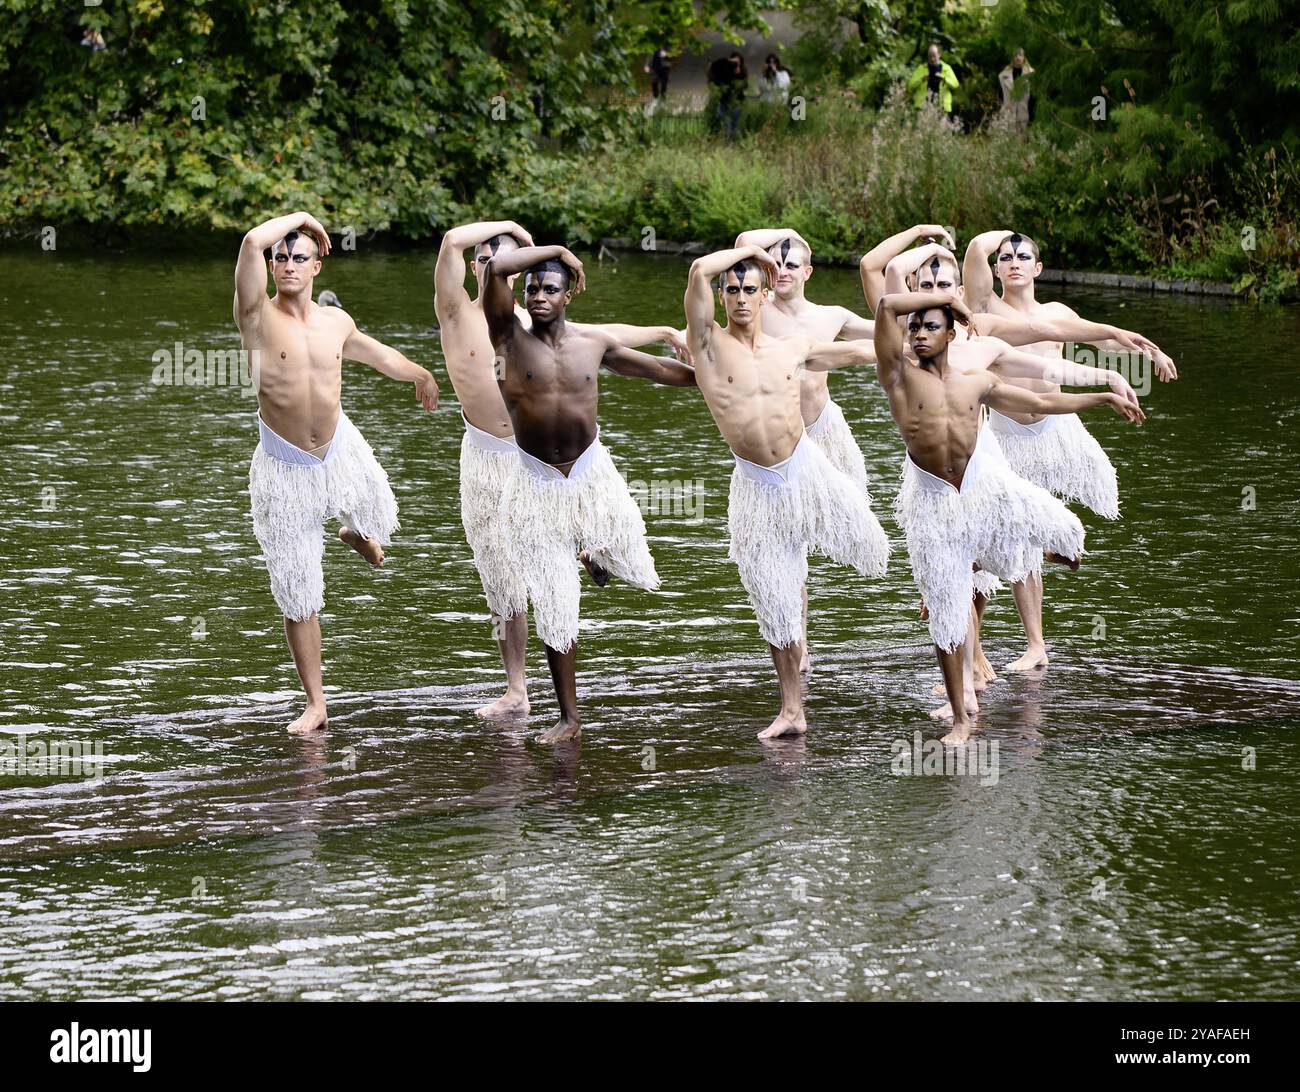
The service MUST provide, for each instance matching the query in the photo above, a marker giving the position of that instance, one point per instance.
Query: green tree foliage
(385, 114)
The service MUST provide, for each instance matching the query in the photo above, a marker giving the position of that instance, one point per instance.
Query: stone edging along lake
(1048, 276)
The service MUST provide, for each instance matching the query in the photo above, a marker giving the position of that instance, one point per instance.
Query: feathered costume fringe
(486, 463)
(778, 514)
(292, 495)
(549, 518)
(998, 520)
(1062, 456)
(832, 434)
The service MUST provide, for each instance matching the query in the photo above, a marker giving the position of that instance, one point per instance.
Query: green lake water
(1139, 841)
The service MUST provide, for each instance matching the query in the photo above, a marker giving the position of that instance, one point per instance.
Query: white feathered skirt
(997, 520)
(1062, 456)
(293, 493)
(548, 518)
(486, 463)
(778, 514)
(832, 434)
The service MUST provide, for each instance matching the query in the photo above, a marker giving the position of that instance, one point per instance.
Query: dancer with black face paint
(789, 313)
(960, 504)
(488, 453)
(311, 463)
(1055, 452)
(564, 501)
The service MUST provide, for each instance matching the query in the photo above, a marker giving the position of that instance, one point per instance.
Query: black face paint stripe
(785, 249)
(934, 269)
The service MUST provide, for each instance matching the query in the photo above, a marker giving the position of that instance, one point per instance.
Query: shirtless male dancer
(789, 313)
(1056, 452)
(891, 267)
(311, 463)
(960, 504)
(786, 497)
(488, 453)
(563, 500)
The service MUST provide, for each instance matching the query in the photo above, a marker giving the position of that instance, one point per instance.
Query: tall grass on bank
(1138, 197)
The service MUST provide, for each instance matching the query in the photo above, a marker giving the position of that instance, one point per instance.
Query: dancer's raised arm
(977, 274)
(250, 268)
(872, 266)
(499, 298)
(902, 266)
(449, 273)
(1006, 398)
(889, 331)
(699, 303)
(830, 355)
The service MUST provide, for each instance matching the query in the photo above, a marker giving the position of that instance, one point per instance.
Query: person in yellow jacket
(933, 81)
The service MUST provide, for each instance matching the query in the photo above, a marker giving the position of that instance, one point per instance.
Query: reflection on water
(1136, 843)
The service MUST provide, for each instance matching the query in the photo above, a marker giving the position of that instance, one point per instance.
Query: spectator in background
(729, 76)
(93, 40)
(933, 81)
(1016, 97)
(658, 67)
(774, 83)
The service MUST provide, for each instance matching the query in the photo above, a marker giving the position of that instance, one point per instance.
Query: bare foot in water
(562, 732)
(944, 712)
(785, 726)
(313, 718)
(598, 575)
(508, 705)
(368, 548)
(1034, 659)
(960, 734)
(1071, 563)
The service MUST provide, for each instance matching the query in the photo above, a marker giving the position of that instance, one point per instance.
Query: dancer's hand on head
(426, 392)
(936, 231)
(962, 314)
(521, 234)
(579, 277)
(768, 263)
(317, 229)
(1129, 410)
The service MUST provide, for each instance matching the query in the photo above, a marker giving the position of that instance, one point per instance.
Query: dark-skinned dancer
(564, 501)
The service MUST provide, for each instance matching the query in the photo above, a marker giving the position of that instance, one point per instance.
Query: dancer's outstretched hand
(426, 392)
(1165, 370)
(680, 349)
(1123, 388)
(1126, 409)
